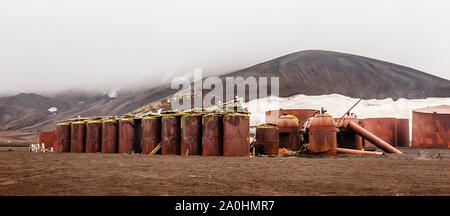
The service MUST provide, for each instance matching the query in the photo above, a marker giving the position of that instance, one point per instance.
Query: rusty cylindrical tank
(151, 133)
(127, 136)
(78, 137)
(431, 127)
(110, 130)
(212, 135)
(289, 132)
(322, 134)
(373, 139)
(384, 128)
(170, 134)
(63, 137)
(267, 137)
(47, 138)
(93, 136)
(236, 134)
(402, 126)
(348, 138)
(191, 134)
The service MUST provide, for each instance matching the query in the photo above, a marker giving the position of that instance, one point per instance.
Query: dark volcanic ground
(418, 172)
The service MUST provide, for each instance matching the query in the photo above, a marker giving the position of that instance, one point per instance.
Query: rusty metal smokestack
(372, 138)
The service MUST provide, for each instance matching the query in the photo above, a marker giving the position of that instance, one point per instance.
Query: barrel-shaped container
(93, 136)
(127, 136)
(212, 135)
(151, 133)
(170, 134)
(63, 137)
(191, 134)
(110, 130)
(236, 135)
(78, 137)
(322, 134)
(267, 138)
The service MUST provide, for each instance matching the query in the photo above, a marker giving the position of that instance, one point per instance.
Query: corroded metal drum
(78, 137)
(431, 127)
(127, 136)
(289, 129)
(47, 138)
(110, 130)
(151, 133)
(267, 139)
(191, 134)
(322, 134)
(236, 135)
(403, 133)
(347, 138)
(212, 135)
(93, 136)
(170, 134)
(63, 137)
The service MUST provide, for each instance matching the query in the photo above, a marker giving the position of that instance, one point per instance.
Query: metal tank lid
(441, 109)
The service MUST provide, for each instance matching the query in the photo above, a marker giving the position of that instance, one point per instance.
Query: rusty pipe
(354, 151)
(373, 139)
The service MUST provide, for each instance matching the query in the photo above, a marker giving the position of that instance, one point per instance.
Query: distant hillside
(309, 72)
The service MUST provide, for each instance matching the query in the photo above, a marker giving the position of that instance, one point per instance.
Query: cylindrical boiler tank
(302, 115)
(151, 133)
(170, 134)
(127, 136)
(384, 128)
(431, 127)
(348, 138)
(63, 137)
(322, 134)
(110, 130)
(236, 134)
(267, 138)
(93, 136)
(212, 135)
(289, 132)
(191, 134)
(78, 137)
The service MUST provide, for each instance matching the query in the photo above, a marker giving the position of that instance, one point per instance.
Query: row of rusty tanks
(174, 133)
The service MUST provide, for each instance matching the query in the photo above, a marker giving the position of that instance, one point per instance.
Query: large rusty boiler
(289, 132)
(110, 130)
(170, 134)
(236, 134)
(267, 139)
(47, 138)
(191, 134)
(151, 133)
(302, 115)
(212, 134)
(93, 136)
(402, 129)
(321, 134)
(348, 138)
(78, 137)
(384, 128)
(62, 137)
(431, 127)
(127, 136)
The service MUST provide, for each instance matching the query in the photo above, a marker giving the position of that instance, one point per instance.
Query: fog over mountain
(52, 46)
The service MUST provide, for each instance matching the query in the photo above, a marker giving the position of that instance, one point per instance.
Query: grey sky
(53, 45)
